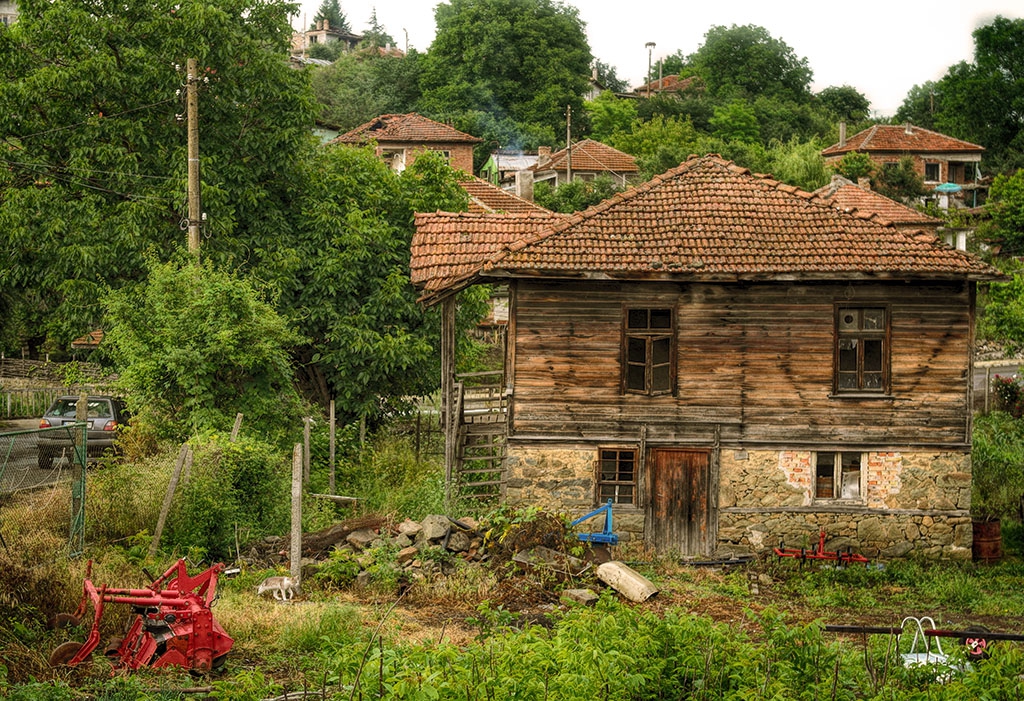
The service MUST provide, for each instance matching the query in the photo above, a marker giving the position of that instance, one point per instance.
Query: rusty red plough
(819, 553)
(173, 623)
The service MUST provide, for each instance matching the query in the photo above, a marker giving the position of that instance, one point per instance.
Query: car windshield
(97, 409)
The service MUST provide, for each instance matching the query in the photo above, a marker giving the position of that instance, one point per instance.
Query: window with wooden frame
(648, 351)
(838, 476)
(861, 350)
(616, 476)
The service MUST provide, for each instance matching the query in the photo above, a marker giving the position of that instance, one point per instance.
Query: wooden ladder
(482, 433)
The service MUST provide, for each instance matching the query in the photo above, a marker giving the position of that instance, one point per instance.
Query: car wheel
(45, 459)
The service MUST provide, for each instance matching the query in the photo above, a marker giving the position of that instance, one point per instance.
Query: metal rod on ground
(154, 545)
(330, 479)
(296, 537)
(236, 428)
(305, 445)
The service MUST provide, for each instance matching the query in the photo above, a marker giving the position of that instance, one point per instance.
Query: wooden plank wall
(754, 360)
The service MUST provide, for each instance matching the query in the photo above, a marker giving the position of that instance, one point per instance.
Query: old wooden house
(731, 360)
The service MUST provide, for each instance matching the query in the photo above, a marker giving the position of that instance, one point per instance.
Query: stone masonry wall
(562, 480)
(913, 503)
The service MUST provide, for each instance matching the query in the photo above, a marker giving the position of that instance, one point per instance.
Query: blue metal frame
(606, 536)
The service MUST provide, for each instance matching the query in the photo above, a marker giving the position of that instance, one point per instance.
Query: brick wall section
(461, 154)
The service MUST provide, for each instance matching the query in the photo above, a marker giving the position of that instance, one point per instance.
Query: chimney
(524, 184)
(593, 73)
(864, 183)
(907, 129)
(842, 134)
(327, 25)
(543, 154)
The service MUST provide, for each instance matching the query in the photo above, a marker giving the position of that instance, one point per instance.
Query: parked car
(104, 416)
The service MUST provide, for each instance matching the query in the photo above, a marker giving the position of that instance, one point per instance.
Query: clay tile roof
(894, 137)
(590, 155)
(707, 219)
(404, 128)
(668, 83)
(845, 195)
(485, 197)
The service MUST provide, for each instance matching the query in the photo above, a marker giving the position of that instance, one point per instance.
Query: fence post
(305, 445)
(76, 542)
(154, 545)
(296, 537)
(330, 485)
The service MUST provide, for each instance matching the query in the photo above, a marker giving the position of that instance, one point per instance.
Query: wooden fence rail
(28, 403)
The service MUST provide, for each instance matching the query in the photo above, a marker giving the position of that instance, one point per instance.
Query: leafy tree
(855, 165)
(782, 120)
(799, 163)
(747, 61)
(900, 181)
(610, 115)
(330, 10)
(95, 158)
(845, 103)
(920, 104)
(344, 280)
(575, 196)
(658, 144)
(524, 61)
(606, 77)
(376, 36)
(1006, 205)
(195, 345)
(358, 87)
(735, 121)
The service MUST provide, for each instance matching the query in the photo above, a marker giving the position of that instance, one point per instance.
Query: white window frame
(394, 157)
(938, 167)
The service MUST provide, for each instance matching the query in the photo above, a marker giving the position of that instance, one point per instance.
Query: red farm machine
(172, 623)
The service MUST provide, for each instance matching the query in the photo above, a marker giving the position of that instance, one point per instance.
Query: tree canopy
(330, 10)
(521, 62)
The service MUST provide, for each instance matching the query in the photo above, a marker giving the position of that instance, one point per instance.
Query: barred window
(616, 478)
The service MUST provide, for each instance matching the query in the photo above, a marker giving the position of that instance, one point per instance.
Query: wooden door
(677, 512)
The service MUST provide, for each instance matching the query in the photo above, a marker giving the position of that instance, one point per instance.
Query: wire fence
(51, 459)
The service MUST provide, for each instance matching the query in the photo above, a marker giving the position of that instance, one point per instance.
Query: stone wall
(914, 503)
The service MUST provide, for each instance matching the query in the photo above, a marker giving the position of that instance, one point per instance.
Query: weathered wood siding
(755, 364)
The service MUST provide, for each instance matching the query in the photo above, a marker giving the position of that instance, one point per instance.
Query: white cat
(283, 588)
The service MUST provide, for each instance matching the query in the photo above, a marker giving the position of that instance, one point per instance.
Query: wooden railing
(28, 403)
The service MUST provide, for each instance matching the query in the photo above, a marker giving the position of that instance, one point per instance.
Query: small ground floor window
(837, 475)
(616, 478)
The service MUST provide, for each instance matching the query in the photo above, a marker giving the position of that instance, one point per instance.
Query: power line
(90, 120)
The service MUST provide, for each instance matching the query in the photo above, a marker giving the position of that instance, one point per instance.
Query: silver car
(104, 416)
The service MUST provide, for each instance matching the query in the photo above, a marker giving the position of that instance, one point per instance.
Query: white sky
(881, 48)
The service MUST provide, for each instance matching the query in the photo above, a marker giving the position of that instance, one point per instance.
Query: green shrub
(339, 570)
(997, 459)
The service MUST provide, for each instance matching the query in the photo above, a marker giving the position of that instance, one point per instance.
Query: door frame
(709, 503)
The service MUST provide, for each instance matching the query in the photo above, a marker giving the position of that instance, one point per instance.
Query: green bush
(235, 490)
(997, 459)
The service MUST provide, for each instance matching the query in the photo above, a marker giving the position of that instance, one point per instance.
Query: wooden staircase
(479, 473)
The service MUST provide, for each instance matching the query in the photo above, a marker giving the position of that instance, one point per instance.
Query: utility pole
(568, 143)
(650, 47)
(192, 110)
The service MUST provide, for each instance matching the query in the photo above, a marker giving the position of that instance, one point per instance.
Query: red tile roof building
(589, 159)
(708, 219)
(400, 137)
(860, 199)
(487, 198)
(937, 158)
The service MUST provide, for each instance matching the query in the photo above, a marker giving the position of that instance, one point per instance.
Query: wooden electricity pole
(192, 110)
(568, 143)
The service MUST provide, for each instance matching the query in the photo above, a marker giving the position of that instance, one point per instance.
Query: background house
(8, 12)
(937, 158)
(730, 360)
(324, 33)
(584, 160)
(400, 137)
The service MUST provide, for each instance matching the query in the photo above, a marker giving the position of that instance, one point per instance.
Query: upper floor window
(394, 157)
(862, 349)
(648, 339)
(931, 172)
(446, 155)
(616, 476)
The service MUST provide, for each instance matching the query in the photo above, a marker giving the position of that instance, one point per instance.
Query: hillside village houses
(731, 361)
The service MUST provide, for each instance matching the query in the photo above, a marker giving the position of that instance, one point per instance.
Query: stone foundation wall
(913, 503)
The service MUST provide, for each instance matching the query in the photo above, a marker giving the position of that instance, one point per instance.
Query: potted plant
(997, 482)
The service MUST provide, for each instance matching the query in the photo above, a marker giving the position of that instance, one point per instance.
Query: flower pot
(987, 545)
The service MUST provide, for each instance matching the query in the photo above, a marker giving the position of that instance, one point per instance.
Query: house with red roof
(400, 138)
(937, 158)
(584, 160)
(731, 361)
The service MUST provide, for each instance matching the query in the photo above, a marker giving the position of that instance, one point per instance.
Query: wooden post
(330, 481)
(236, 428)
(305, 446)
(296, 538)
(154, 545)
(192, 110)
(448, 422)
